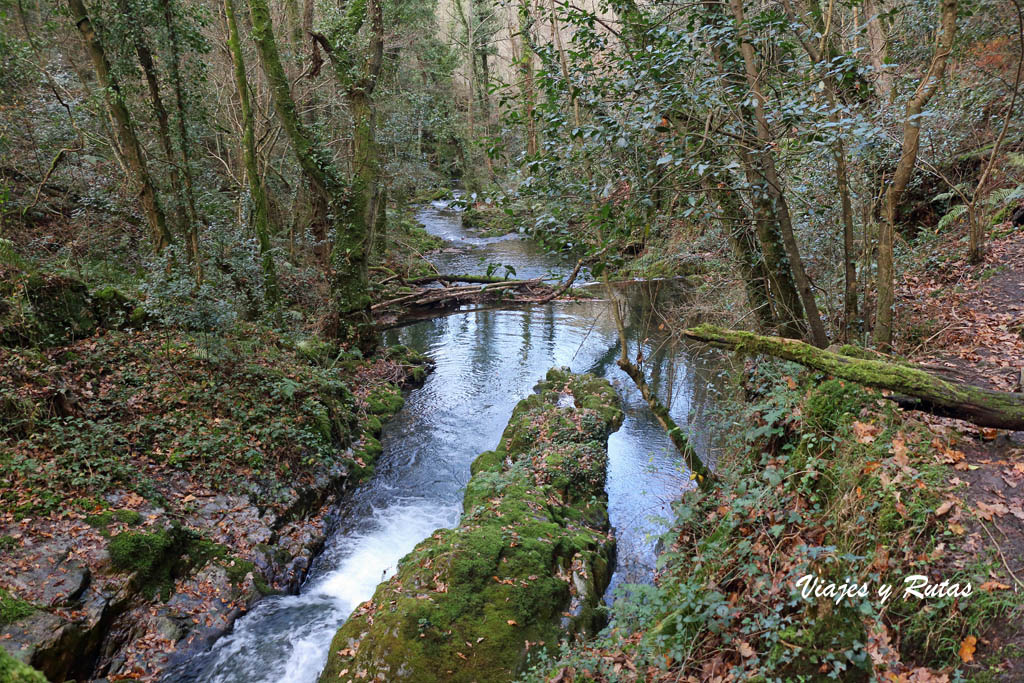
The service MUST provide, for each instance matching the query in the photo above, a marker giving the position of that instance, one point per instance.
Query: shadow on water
(486, 361)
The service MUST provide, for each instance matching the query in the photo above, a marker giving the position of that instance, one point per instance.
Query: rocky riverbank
(156, 484)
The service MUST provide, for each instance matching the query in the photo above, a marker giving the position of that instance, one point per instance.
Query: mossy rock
(13, 609)
(15, 671)
(155, 558)
(532, 544)
(385, 400)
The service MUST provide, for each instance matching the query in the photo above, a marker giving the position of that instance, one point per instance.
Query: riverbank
(825, 480)
(159, 482)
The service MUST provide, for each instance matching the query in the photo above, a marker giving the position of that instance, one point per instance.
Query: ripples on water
(486, 361)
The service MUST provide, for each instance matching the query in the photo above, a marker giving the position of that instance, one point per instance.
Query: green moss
(465, 600)
(14, 671)
(154, 558)
(386, 400)
(107, 517)
(8, 543)
(13, 609)
(834, 403)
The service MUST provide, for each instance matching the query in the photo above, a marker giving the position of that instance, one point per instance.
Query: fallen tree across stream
(479, 288)
(932, 394)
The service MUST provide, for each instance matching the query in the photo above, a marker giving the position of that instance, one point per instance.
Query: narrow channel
(486, 361)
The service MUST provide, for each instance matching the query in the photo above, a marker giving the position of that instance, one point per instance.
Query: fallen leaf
(746, 651)
(994, 586)
(944, 508)
(967, 648)
(865, 433)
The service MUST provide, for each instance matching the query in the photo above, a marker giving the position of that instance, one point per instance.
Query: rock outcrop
(527, 565)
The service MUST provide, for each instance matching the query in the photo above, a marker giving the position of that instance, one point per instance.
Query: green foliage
(261, 417)
(835, 403)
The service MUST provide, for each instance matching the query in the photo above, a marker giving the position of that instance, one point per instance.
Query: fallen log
(426, 295)
(472, 279)
(983, 407)
(704, 476)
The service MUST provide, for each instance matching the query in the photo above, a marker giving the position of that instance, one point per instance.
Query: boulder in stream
(526, 567)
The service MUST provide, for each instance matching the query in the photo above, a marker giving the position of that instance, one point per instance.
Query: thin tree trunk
(145, 57)
(737, 225)
(260, 206)
(905, 169)
(183, 139)
(774, 184)
(525, 59)
(822, 55)
(127, 140)
(878, 49)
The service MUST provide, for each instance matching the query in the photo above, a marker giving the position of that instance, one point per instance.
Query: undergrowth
(822, 479)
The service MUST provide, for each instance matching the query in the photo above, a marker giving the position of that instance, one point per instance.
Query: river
(485, 362)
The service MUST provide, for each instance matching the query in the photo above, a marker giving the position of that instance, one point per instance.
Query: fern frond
(951, 215)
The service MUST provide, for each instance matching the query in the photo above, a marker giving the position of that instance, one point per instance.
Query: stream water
(486, 361)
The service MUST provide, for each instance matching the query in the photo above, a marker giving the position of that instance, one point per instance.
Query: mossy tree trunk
(349, 278)
(260, 206)
(145, 56)
(358, 82)
(124, 128)
(184, 142)
(772, 183)
(984, 407)
(787, 309)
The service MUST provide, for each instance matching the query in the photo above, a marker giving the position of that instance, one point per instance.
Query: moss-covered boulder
(15, 671)
(527, 565)
(47, 309)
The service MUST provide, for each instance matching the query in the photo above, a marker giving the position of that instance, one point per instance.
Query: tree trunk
(983, 407)
(125, 131)
(525, 59)
(260, 206)
(183, 139)
(145, 56)
(789, 311)
(878, 49)
(774, 184)
(349, 279)
(904, 169)
(737, 225)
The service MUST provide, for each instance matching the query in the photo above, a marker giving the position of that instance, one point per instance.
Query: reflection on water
(486, 361)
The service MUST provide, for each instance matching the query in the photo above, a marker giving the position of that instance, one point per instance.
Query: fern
(951, 215)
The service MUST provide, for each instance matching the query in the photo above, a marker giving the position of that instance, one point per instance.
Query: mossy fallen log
(527, 565)
(983, 407)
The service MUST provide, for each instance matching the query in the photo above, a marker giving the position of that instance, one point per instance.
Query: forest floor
(977, 314)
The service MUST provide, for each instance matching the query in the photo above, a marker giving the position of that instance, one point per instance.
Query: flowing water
(486, 361)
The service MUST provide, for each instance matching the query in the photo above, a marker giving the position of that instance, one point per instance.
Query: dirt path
(974, 319)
